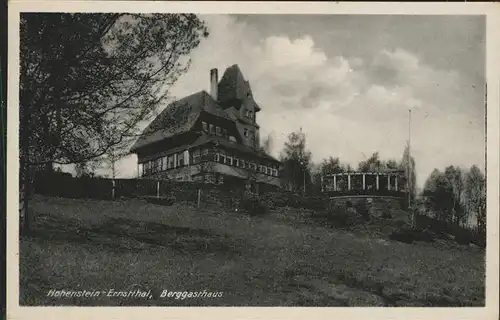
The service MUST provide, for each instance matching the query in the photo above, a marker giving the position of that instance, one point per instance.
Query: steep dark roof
(178, 117)
(200, 140)
(233, 88)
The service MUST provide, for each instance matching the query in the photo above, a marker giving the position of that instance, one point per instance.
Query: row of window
(216, 130)
(234, 160)
(198, 155)
(222, 132)
(164, 163)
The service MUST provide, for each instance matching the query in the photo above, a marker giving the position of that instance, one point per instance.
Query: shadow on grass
(120, 234)
(395, 298)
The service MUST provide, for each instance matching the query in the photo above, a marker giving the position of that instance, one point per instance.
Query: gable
(233, 89)
(178, 117)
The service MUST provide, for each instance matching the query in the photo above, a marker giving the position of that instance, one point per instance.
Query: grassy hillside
(277, 260)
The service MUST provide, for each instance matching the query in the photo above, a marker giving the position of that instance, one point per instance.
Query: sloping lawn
(254, 261)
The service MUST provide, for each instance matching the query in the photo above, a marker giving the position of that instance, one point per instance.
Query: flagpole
(409, 166)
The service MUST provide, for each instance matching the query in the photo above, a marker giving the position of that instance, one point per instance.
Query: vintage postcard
(333, 160)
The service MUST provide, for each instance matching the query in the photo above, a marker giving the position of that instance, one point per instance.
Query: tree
(452, 194)
(430, 183)
(88, 80)
(372, 164)
(410, 172)
(325, 168)
(347, 168)
(391, 164)
(296, 161)
(85, 169)
(438, 191)
(331, 166)
(115, 154)
(475, 195)
(267, 144)
(456, 179)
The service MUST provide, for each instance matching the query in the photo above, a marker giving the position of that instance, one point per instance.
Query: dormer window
(212, 128)
(204, 126)
(218, 131)
(245, 133)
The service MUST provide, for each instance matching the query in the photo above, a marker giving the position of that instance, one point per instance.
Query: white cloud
(348, 107)
(283, 52)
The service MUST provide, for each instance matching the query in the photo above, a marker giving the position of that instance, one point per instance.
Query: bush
(408, 235)
(269, 203)
(479, 239)
(254, 205)
(276, 199)
(340, 217)
(463, 237)
(362, 210)
(311, 203)
(386, 215)
(164, 201)
(294, 200)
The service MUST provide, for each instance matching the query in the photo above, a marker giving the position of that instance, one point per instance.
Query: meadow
(280, 259)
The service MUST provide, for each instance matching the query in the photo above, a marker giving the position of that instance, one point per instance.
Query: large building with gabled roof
(211, 137)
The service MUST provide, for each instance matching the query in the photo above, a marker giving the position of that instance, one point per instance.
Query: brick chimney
(214, 84)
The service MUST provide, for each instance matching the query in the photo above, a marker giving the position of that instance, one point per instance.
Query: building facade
(211, 137)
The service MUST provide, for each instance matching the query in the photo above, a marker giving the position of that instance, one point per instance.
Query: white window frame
(170, 161)
(180, 156)
(164, 163)
(196, 155)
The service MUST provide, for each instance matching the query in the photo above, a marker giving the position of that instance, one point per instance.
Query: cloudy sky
(348, 82)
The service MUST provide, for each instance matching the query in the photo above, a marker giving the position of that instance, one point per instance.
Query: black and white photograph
(177, 159)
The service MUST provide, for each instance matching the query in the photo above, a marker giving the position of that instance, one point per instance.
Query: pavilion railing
(379, 193)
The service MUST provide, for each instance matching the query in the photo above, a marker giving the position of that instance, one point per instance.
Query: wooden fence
(108, 189)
